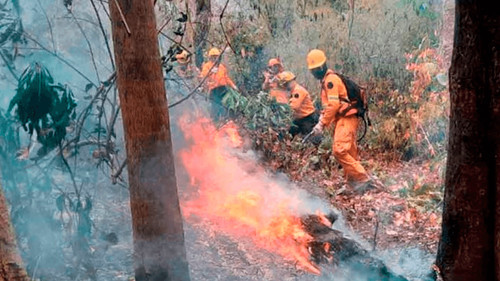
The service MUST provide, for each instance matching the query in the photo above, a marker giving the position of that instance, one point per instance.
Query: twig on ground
(377, 222)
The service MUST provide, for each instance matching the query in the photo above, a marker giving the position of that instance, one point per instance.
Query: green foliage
(260, 112)
(263, 112)
(43, 106)
(422, 8)
(11, 30)
(234, 101)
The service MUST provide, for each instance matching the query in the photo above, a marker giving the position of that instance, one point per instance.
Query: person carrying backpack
(343, 113)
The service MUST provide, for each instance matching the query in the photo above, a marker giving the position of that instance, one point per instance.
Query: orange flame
(240, 204)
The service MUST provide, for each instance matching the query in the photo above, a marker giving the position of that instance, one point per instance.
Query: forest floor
(403, 212)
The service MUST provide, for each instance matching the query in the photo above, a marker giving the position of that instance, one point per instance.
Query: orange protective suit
(300, 102)
(345, 150)
(281, 96)
(217, 76)
(271, 85)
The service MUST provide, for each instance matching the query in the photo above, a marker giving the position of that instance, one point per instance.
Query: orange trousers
(345, 149)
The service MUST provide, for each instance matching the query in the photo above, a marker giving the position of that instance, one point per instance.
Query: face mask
(273, 69)
(319, 72)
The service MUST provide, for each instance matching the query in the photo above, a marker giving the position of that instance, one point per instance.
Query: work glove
(318, 129)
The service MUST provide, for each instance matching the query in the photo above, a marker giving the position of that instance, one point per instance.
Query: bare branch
(58, 57)
(11, 70)
(163, 25)
(88, 44)
(103, 34)
(118, 172)
(50, 26)
(222, 27)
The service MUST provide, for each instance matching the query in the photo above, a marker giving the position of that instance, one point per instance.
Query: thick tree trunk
(470, 242)
(11, 268)
(157, 222)
(203, 17)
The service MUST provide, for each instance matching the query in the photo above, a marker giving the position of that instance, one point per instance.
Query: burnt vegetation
(330, 246)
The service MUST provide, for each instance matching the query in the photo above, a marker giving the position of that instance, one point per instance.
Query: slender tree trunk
(203, 17)
(447, 31)
(11, 268)
(157, 222)
(470, 243)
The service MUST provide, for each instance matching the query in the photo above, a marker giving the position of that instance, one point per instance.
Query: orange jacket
(280, 95)
(300, 102)
(271, 84)
(216, 76)
(333, 92)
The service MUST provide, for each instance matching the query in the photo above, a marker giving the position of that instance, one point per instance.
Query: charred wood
(330, 247)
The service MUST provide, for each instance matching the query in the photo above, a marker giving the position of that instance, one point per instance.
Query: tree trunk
(11, 268)
(447, 31)
(470, 241)
(159, 250)
(203, 17)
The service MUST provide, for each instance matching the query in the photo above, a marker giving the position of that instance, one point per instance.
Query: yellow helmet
(274, 61)
(214, 52)
(315, 58)
(284, 77)
(183, 57)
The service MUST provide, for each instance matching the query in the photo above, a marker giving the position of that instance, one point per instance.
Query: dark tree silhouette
(470, 243)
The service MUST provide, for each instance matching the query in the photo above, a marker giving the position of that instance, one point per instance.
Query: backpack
(357, 99)
(356, 94)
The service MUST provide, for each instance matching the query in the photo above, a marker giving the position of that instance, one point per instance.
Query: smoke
(226, 186)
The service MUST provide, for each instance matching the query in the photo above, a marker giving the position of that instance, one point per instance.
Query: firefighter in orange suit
(333, 100)
(274, 68)
(185, 69)
(216, 83)
(304, 113)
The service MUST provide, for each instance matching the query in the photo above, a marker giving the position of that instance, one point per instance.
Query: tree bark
(447, 31)
(203, 17)
(469, 248)
(11, 267)
(159, 251)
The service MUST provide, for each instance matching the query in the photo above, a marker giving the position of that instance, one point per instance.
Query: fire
(238, 202)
